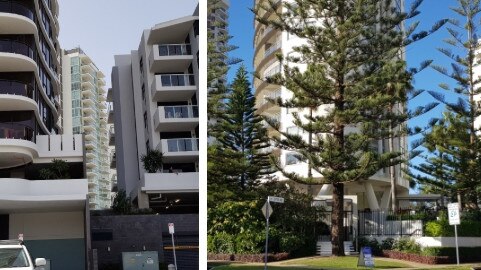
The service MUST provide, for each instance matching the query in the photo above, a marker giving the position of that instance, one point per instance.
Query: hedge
(466, 254)
(467, 228)
(248, 257)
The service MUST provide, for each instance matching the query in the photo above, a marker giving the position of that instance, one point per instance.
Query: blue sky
(241, 28)
(109, 27)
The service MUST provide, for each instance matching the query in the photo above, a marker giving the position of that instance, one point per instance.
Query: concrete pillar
(325, 190)
(386, 199)
(371, 197)
(143, 200)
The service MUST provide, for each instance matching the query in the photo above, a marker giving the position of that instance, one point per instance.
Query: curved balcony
(17, 146)
(15, 7)
(12, 46)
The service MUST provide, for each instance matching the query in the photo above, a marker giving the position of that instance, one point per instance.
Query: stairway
(324, 248)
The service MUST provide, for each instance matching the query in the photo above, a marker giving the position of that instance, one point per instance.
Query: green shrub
(466, 254)
(221, 243)
(441, 227)
(387, 244)
(405, 244)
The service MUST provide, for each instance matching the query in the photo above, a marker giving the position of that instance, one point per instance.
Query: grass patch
(345, 263)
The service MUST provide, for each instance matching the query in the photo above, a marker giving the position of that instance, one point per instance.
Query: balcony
(179, 150)
(173, 87)
(169, 57)
(176, 118)
(111, 114)
(112, 136)
(17, 146)
(171, 182)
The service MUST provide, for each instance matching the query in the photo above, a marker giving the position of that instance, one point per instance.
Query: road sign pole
(456, 239)
(267, 234)
(173, 248)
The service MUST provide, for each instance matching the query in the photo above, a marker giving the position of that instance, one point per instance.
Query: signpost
(454, 219)
(171, 231)
(267, 211)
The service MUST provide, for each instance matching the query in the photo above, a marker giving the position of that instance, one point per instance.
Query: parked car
(14, 255)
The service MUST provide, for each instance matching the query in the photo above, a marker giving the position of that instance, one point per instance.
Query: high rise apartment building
(48, 213)
(85, 112)
(155, 106)
(374, 193)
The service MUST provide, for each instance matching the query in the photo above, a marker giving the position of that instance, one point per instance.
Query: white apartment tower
(84, 112)
(48, 209)
(155, 95)
(374, 193)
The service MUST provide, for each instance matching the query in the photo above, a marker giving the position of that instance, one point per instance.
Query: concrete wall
(42, 226)
(147, 232)
(125, 126)
(448, 241)
(57, 236)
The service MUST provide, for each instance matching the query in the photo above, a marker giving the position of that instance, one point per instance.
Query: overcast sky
(109, 27)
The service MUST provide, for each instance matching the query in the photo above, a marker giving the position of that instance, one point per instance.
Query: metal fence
(389, 223)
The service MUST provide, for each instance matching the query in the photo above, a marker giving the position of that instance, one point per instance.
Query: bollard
(171, 267)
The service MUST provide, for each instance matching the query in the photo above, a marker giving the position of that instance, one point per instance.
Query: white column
(371, 197)
(386, 199)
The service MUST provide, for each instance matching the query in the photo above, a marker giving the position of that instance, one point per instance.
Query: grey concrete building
(155, 92)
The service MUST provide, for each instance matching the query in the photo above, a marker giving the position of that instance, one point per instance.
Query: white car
(14, 255)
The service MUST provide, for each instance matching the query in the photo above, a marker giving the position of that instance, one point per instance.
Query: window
(143, 92)
(196, 27)
(145, 120)
(147, 146)
(141, 64)
(293, 158)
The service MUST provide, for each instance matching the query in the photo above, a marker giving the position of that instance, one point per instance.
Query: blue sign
(365, 257)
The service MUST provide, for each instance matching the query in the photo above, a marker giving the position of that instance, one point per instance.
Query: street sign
(275, 199)
(264, 209)
(454, 219)
(365, 257)
(453, 214)
(171, 228)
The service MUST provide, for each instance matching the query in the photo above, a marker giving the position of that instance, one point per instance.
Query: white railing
(186, 111)
(273, 95)
(272, 48)
(272, 71)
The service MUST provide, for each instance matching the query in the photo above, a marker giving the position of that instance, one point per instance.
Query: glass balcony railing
(181, 111)
(11, 87)
(16, 131)
(177, 80)
(16, 7)
(182, 145)
(174, 49)
(11, 46)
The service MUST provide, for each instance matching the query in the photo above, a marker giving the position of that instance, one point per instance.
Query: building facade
(155, 95)
(30, 121)
(85, 112)
(374, 193)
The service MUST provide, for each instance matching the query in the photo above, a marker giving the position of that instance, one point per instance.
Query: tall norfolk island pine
(243, 137)
(353, 65)
(454, 144)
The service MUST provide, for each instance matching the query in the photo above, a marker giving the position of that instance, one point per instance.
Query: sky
(109, 27)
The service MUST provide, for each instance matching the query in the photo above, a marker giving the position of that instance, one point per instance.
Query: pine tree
(244, 139)
(464, 167)
(218, 61)
(351, 65)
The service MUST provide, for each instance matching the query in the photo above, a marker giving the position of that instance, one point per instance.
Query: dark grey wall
(132, 233)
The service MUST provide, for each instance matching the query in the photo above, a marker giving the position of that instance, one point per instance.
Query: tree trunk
(392, 169)
(337, 229)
